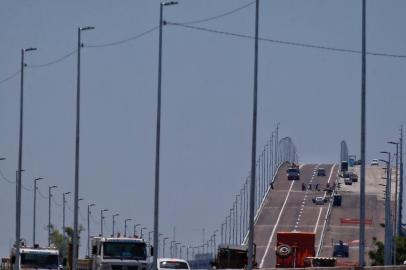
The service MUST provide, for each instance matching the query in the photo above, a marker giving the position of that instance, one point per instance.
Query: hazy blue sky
(207, 101)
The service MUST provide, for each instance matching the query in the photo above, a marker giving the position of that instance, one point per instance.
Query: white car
(375, 162)
(170, 263)
(319, 200)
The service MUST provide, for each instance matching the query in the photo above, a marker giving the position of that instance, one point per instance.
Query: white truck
(119, 253)
(36, 258)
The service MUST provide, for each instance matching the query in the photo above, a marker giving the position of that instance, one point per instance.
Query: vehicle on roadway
(375, 162)
(36, 257)
(321, 172)
(233, 257)
(347, 181)
(341, 249)
(353, 177)
(320, 262)
(171, 263)
(293, 247)
(119, 253)
(293, 172)
(319, 200)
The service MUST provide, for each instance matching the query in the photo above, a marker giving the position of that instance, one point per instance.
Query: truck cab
(37, 258)
(293, 172)
(119, 253)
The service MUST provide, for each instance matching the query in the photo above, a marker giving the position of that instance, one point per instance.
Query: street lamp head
(116, 215)
(385, 161)
(104, 210)
(92, 204)
(128, 219)
(66, 193)
(38, 178)
(80, 199)
(384, 152)
(29, 49)
(2, 158)
(86, 28)
(393, 143)
(53, 187)
(169, 3)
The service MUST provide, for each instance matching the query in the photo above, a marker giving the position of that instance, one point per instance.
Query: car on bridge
(319, 200)
(169, 263)
(321, 172)
(375, 162)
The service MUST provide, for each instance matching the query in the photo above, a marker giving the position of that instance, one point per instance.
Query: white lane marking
(318, 219)
(326, 218)
(331, 173)
(276, 224)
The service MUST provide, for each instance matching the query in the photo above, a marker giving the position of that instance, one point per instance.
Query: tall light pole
(63, 220)
(400, 182)
(388, 226)
(125, 225)
(63, 211)
(35, 209)
(254, 142)
(49, 213)
(163, 246)
(135, 228)
(75, 237)
(101, 220)
(88, 227)
(149, 237)
(114, 223)
(158, 132)
(142, 235)
(20, 161)
(361, 255)
(395, 232)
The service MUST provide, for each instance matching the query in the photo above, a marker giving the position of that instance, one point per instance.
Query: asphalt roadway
(287, 207)
(344, 224)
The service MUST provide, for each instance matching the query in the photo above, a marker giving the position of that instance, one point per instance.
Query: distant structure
(344, 151)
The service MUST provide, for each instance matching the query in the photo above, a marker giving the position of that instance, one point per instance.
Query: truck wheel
(283, 250)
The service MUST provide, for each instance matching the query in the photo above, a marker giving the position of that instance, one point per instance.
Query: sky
(207, 85)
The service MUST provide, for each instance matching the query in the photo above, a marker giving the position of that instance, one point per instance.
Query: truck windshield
(124, 250)
(293, 170)
(39, 260)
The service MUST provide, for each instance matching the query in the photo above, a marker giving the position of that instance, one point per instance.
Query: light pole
(101, 220)
(254, 142)
(163, 246)
(125, 226)
(388, 226)
(214, 242)
(35, 209)
(171, 248)
(75, 237)
(400, 181)
(88, 227)
(149, 237)
(142, 235)
(158, 132)
(114, 223)
(63, 220)
(236, 218)
(49, 213)
(176, 248)
(361, 254)
(135, 228)
(20, 160)
(63, 212)
(395, 233)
